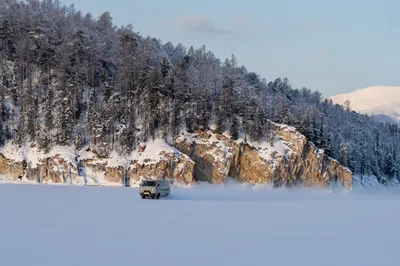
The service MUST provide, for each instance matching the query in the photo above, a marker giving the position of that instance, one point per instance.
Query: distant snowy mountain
(382, 101)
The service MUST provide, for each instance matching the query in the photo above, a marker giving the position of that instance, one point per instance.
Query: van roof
(155, 180)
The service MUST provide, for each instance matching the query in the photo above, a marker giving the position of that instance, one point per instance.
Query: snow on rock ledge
(167, 163)
(29, 164)
(286, 159)
(65, 165)
(10, 168)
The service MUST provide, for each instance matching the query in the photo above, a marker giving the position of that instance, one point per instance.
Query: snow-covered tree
(69, 79)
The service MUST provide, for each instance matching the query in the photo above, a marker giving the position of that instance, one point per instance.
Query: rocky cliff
(65, 165)
(286, 159)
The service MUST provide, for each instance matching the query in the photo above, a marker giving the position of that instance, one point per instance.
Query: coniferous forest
(68, 78)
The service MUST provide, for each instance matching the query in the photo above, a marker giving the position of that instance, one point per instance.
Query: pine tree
(49, 117)
(220, 121)
(257, 130)
(326, 140)
(175, 118)
(19, 138)
(2, 134)
(390, 168)
(69, 79)
(343, 154)
(234, 131)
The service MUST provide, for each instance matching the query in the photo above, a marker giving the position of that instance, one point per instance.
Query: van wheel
(158, 196)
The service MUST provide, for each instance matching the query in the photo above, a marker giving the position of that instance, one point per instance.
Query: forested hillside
(68, 78)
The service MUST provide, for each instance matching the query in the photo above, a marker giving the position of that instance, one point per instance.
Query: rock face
(10, 168)
(159, 161)
(286, 159)
(175, 166)
(48, 170)
(53, 170)
(211, 157)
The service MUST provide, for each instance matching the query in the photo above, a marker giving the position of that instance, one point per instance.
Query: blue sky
(333, 46)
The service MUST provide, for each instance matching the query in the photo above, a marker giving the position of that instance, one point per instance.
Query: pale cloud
(198, 23)
(319, 56)
(239, 20)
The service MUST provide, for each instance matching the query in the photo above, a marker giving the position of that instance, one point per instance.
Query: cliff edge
(285, 159)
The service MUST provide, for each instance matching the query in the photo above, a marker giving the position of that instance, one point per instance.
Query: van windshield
(149, 183)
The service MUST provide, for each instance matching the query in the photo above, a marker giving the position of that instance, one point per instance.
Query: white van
(154, 188)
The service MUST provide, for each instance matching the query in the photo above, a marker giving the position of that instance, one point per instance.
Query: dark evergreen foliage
(69, 79)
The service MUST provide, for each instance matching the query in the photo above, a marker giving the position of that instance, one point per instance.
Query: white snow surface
(151, 154)
(371, 184)
(267, 150)
(375, 100)
(33, 155)
(201, 225)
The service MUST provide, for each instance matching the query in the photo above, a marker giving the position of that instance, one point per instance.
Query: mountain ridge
(380, 101)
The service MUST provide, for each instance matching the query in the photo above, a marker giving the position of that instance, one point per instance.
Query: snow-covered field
(203, 225)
